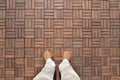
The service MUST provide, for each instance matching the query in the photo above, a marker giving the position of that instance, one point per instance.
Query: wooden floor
(89, 29)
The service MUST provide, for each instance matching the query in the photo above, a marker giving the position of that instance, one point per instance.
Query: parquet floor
(89, 29)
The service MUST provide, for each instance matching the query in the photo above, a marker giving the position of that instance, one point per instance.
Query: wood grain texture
(89, 29)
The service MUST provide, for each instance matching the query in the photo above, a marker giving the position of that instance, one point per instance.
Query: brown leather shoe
(66, 55)
(47, 55)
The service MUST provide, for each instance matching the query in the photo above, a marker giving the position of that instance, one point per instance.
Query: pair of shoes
(66, 55)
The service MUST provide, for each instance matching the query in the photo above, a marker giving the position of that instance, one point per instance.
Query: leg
(67, 72)
(47, 72)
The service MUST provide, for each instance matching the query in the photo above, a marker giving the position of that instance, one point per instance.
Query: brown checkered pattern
(89, 29)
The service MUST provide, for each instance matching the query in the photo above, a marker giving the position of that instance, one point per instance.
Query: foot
(47, 55)
(66, 55)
